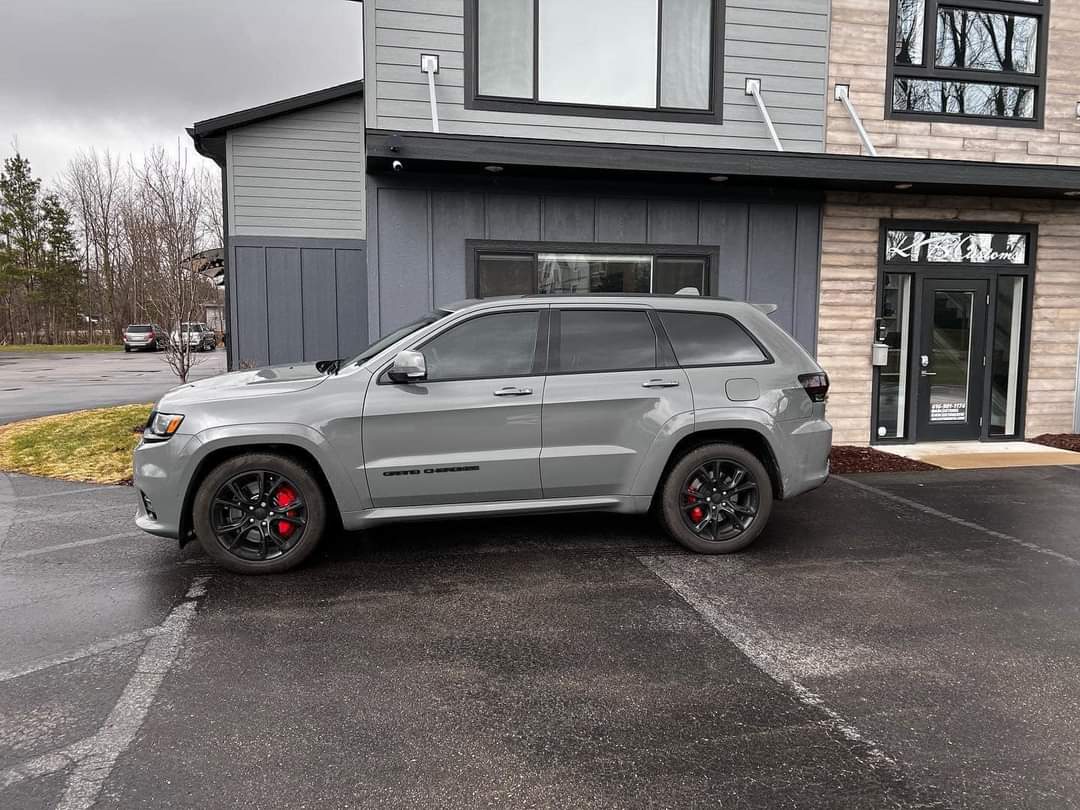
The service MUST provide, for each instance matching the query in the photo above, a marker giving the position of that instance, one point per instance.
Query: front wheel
(259, 513)
(716, 499)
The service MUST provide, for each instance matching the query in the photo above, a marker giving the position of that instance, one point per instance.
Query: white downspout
(429, 64)
(753, 88)
(842, 96)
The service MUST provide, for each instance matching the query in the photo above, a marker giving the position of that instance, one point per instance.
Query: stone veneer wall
(849, 268)
(858, 50)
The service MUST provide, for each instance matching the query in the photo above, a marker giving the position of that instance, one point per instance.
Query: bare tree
(166, 219)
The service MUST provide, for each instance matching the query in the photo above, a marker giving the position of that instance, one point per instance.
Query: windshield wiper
(330, 366)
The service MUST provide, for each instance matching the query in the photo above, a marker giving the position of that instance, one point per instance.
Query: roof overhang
(209, 135)
(471, 154)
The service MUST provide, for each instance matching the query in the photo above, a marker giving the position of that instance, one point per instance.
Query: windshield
(398, 334)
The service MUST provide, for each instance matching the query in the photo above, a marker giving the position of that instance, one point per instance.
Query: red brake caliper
(282, 498)
(697, 514)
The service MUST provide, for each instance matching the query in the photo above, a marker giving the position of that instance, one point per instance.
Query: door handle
(513, 392)
(929, 373)
(660, 384)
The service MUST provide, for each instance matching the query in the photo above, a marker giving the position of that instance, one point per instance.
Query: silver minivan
(701, 410)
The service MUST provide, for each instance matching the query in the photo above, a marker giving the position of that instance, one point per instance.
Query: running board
(441, 511)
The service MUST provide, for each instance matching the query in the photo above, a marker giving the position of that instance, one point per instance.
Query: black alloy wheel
(720, 500)
(260, 513)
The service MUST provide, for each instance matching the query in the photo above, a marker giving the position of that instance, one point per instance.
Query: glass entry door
(952, 359)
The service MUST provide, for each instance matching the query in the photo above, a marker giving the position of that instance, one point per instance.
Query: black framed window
(969, 59)
(616, 58)
(499, 345)
(566, 273)
(600, 340)
(707, 339)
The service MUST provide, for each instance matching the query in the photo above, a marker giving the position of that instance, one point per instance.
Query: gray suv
(700, 409)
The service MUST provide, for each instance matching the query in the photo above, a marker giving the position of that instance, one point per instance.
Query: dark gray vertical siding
(726, 225)
(772, 259)
(284, 304)
(318, 293)
(249, 303)
(297, 299)
(352, 301)
(761, 251)
(621, 220)
(807, 264)
(403, 237)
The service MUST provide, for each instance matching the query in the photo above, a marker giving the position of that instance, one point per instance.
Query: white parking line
(967, 524)
(94, 758)
(93, 541)
(754, 644)
(77, 655)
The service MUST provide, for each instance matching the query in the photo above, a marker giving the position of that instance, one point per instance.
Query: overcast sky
(127, 74)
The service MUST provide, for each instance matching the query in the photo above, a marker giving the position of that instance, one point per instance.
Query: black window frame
(931, 72)
(713, 115)
(477, 248)
(767, 357)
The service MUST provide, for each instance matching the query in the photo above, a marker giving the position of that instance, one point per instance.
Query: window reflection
(1005, 356)
(893, 377)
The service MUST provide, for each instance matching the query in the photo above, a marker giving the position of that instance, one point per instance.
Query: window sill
(713, 117)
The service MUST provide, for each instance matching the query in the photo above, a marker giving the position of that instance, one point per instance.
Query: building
(882, 170)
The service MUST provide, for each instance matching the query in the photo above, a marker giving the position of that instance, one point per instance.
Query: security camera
(397, 165)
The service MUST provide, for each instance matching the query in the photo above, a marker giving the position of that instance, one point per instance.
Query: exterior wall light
(493, 169)
(902, 186)
(718, 178)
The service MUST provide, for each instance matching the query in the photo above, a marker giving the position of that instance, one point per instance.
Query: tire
(687, 488)
(126, 349)
(252, 554)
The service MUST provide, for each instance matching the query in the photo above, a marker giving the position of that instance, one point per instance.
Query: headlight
(160, 426)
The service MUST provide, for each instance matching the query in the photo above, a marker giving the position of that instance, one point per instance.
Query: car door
(470, 431)
(611, 387)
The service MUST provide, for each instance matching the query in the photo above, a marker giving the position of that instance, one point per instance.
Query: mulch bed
(1062, 441)
(844, 459)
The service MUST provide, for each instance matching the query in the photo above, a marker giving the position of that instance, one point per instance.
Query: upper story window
(969, 59)
(626, 58)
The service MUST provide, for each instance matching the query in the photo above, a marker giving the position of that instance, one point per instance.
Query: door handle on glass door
(513, 392)
(660, 384)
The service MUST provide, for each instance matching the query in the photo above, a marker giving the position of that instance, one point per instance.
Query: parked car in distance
(199, 336)
(144, 337)
(701, 409)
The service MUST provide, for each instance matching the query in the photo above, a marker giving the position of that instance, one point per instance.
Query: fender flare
(684, 425)
(289, 434)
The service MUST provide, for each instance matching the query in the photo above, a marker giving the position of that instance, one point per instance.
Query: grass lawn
(90, 446)
(38, 348)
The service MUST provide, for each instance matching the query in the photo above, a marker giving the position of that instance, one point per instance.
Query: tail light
(816, 385)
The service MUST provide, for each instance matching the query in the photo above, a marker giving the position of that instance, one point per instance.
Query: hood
(253, 383)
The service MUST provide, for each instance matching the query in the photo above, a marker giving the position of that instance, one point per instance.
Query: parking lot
(39, 384)
(910, 640)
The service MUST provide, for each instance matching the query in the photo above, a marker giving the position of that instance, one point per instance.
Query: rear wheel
(716, 499)
(259, 513)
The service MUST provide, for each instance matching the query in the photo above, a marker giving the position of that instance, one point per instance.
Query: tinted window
(139, 329)
(605, 340)
(701, 339)
(500, 345)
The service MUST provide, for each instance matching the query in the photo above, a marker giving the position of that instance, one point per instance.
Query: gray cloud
(127, 73)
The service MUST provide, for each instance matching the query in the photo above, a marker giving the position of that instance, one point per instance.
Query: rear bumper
(803, 455)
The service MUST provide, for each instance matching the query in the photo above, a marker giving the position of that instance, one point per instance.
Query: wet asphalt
(907, 640)
(40, 384)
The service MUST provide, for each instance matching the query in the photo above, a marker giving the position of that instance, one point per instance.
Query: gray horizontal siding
(300, 175)
(295, 300)
(759, 250)
(782, 42)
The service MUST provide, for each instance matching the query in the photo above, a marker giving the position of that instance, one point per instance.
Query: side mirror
(408, 367)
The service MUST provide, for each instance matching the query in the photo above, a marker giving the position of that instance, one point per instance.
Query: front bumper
(161, 473)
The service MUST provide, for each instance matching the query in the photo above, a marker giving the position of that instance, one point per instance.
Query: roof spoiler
(768, 309)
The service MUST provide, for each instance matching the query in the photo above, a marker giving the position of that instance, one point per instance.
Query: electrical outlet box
(429, 63)
(753, 86)
(840, 91)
